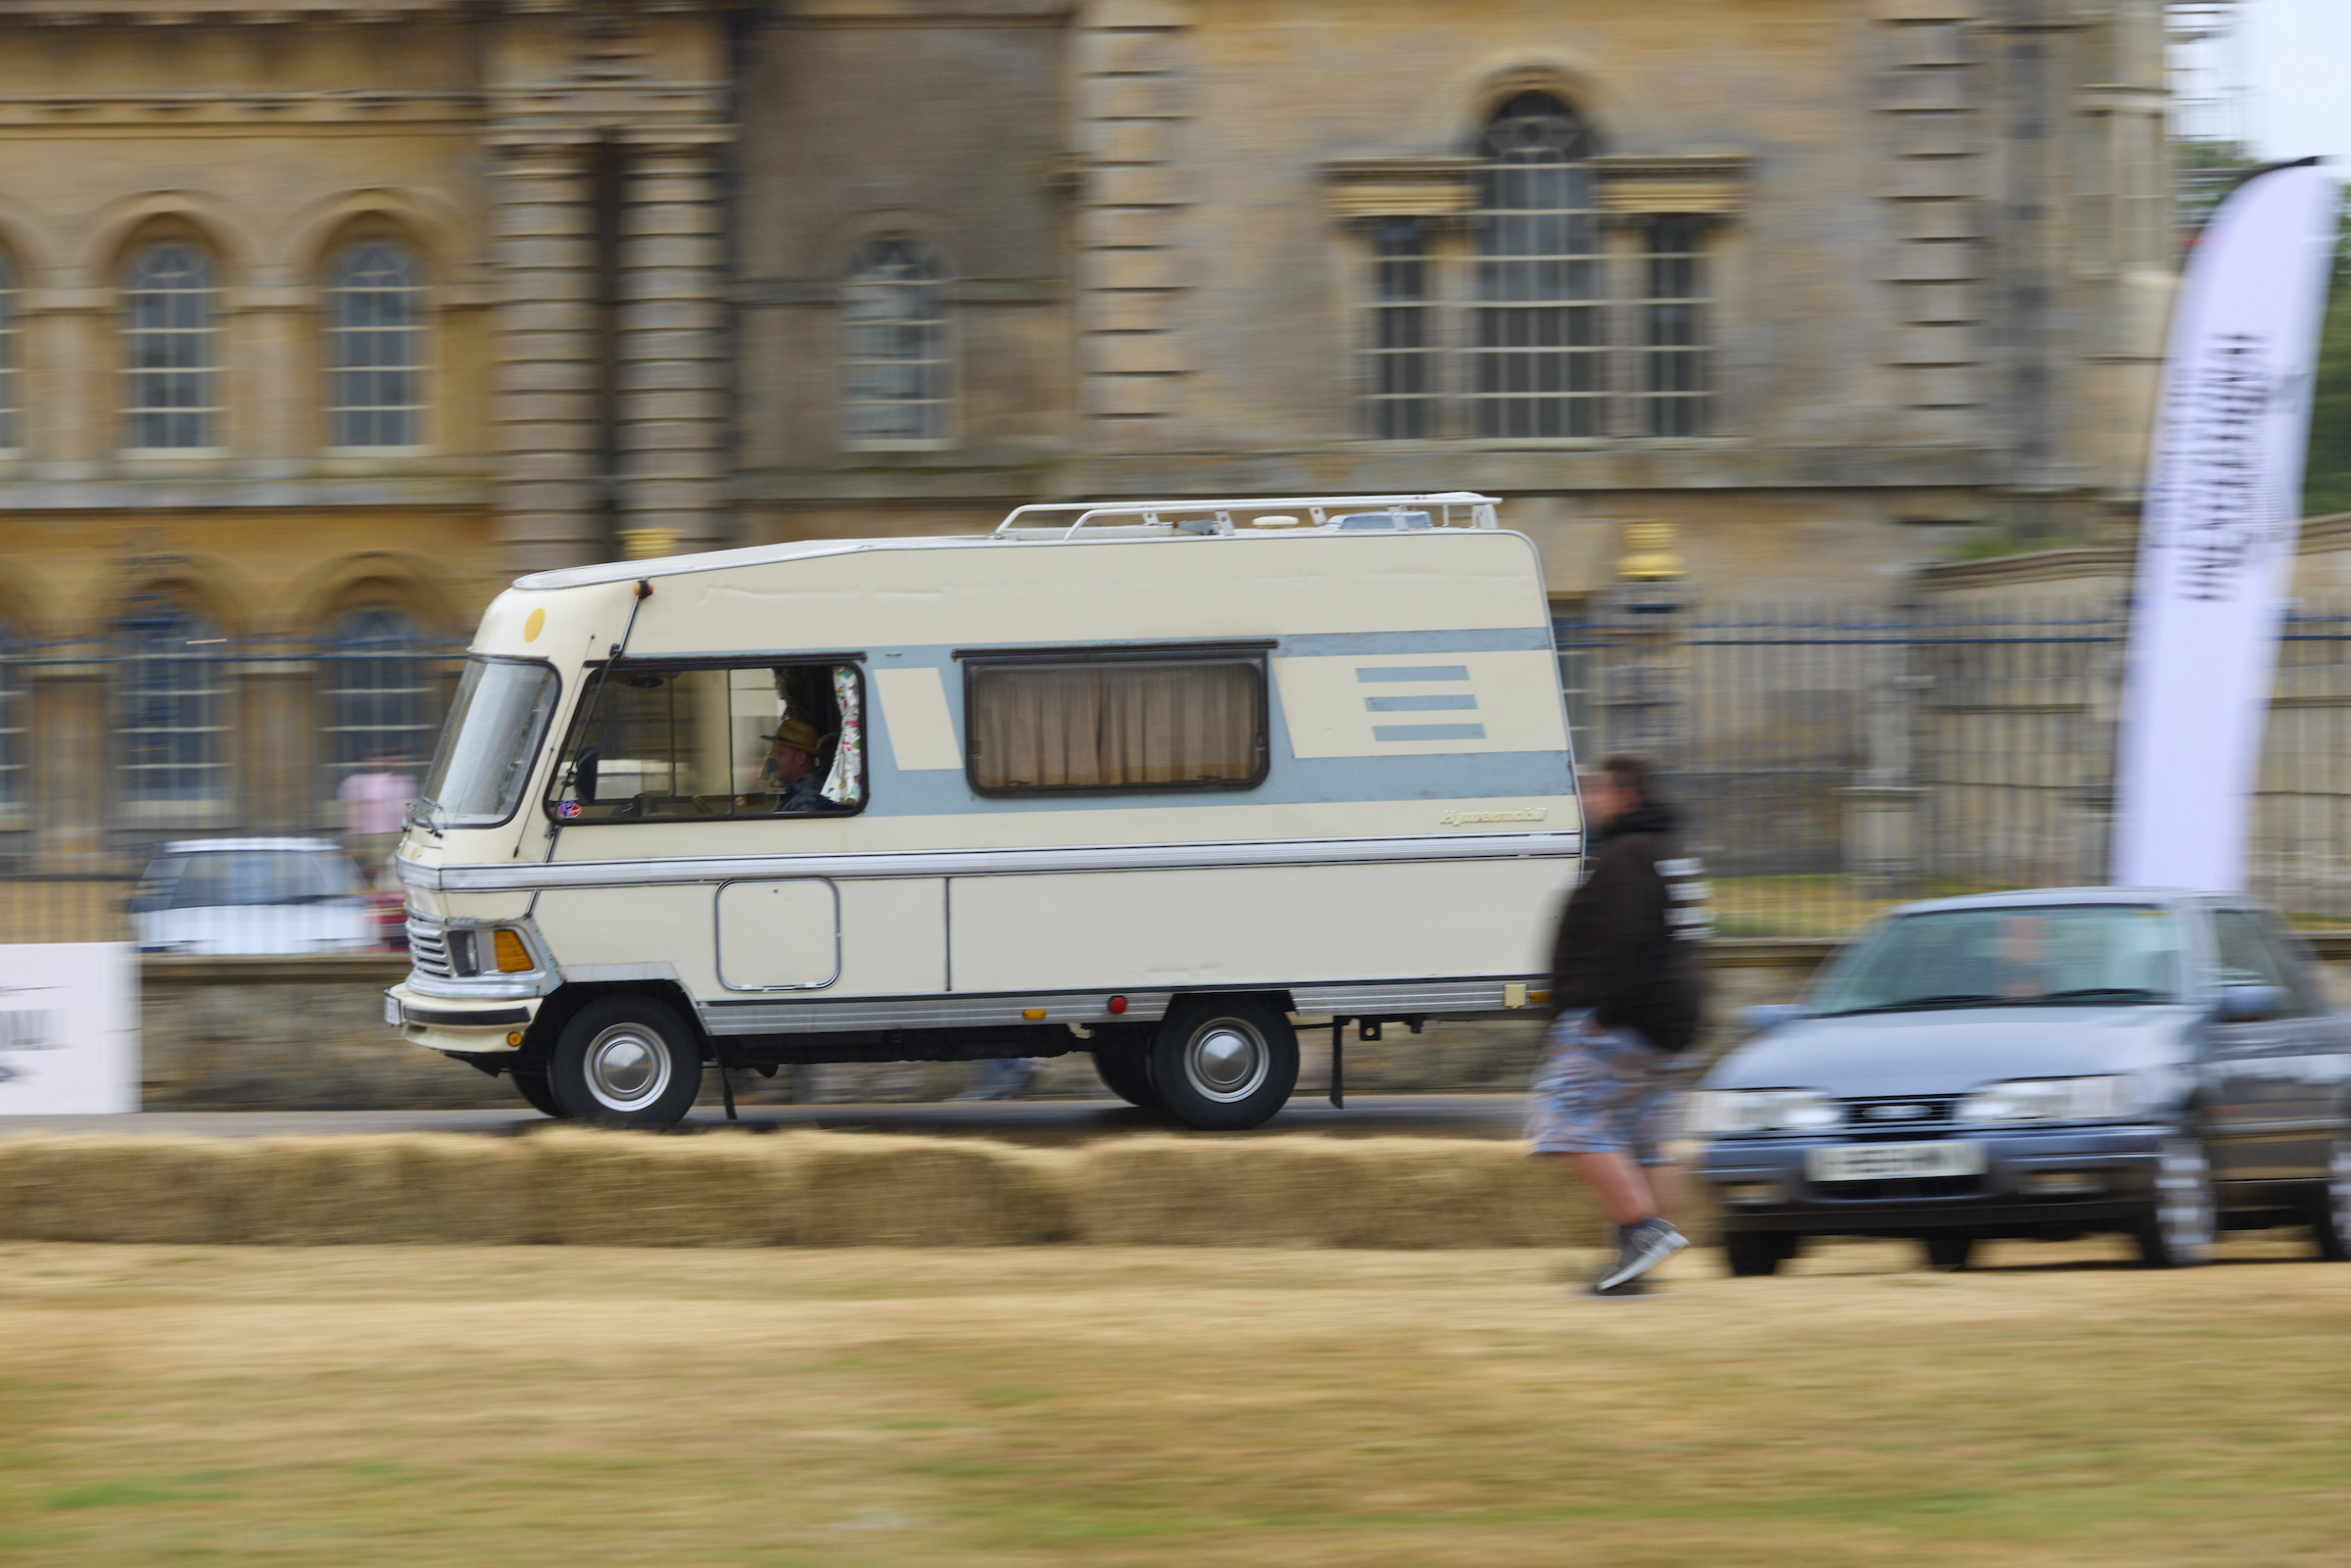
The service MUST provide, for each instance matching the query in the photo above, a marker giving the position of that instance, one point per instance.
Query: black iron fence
(1833, 761)
(112, 754)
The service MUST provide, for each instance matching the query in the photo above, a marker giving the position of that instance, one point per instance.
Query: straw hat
(798, 732)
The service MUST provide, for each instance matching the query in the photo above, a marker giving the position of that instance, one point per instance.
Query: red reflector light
(1118, 1005)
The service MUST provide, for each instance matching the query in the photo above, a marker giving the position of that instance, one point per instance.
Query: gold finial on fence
(647, 543)
(1649, 555)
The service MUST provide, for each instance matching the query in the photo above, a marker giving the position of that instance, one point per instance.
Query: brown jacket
(1627, 947)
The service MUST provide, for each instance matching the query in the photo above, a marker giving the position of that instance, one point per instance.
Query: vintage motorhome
(1151, 780)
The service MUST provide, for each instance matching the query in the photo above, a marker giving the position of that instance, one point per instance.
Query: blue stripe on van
(1428, 732)
(1443, 702)
(1401, 672)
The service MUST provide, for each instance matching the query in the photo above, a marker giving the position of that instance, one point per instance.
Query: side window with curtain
(686, 744)
(1071, 724)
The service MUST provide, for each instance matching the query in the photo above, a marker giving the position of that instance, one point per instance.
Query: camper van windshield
(489, 743)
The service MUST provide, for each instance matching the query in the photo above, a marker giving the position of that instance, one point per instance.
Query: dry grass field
(1106, 1406)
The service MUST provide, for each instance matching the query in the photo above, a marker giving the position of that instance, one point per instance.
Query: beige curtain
(1111, 726)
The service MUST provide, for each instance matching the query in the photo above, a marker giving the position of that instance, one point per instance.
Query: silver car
(2043, 1064)
(252, 895)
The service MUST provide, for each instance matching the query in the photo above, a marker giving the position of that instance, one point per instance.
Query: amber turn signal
(513, 955)
(1032, 1013)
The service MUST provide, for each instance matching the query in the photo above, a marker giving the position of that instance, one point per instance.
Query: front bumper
(466, 1026)
(1763, 1185)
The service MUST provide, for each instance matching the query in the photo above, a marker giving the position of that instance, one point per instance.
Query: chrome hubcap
(1227, 1059)
(2183, 1205)
(628, 1066)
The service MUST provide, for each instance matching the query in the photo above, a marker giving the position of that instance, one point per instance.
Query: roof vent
(1380, 520)
(1273, 522)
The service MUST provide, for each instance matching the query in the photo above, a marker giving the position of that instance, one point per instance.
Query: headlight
(1727, 1113)
(2051, 1099)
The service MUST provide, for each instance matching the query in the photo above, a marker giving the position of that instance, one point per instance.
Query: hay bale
(1328, 1191)
(877, 1190)
(618, 1189)
(465, 1190)
(328, 1191)
(100, 1187)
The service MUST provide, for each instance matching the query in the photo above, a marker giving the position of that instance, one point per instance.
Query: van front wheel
(1225, 1063)
(625, 1062)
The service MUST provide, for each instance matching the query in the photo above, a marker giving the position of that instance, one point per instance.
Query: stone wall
(307, 1035)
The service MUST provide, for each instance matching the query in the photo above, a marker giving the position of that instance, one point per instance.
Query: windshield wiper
(2102, 994)
(1920, 1004)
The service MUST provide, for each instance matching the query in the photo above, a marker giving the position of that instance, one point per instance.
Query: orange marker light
(1032, 1013)
(513, 957)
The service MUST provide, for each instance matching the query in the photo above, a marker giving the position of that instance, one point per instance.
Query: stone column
(671, 350)
(548, 436)
(1130, 65)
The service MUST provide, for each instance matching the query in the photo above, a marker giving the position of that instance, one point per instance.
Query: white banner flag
(2217, 536)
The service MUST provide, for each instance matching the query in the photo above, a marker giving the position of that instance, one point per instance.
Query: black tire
(1948, 1252)
(626, 1061)
(1754, 1253)
(1128, 1074)
(2330, 1206)
(532, 1086)
(2177, 1227)
(1224, 1064)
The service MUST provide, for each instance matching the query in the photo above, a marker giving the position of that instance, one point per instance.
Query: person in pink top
(375, 803)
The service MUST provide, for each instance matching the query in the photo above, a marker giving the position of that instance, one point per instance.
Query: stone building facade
(321, 318)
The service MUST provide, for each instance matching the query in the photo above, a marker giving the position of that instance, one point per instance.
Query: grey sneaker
(1644, 1246)
(1635, 1285)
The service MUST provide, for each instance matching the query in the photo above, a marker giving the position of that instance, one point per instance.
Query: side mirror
(2250, 1004)
(1755, 1020)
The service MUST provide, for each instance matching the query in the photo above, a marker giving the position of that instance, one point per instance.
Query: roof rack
(1216, 516)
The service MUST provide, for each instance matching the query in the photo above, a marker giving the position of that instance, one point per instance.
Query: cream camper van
(1148, 781)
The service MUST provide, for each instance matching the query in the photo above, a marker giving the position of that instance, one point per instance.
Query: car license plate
(392, 1010)
(1876, 1162)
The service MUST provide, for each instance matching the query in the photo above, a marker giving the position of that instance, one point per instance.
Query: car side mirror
(1755, 1020)
(2250, 1004)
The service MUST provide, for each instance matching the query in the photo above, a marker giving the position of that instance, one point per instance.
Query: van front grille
(428, 950)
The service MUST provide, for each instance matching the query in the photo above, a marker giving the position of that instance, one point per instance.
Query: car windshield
(219, 878)
(489, 743)
(2086, 955)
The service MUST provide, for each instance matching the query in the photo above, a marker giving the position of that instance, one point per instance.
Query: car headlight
(1727, 1113)
(2096, 1099)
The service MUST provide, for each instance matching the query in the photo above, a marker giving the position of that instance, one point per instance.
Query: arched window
(894, 349)
(379, 699)
(16, 701)
(375, 347)
(9, 338)
(173, 355)
(172, 712)
(1539, 350)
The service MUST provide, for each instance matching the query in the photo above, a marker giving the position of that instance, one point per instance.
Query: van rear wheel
(1128, 1074)
(625, 1062)
(1225, 1063)
(532, 1086)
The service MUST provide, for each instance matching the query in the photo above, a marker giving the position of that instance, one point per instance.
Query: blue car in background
(2045, 1064)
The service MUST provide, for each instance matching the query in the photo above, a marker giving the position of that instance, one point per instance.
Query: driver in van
(792, 767)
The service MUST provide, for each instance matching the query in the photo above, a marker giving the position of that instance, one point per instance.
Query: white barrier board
(68, 1028)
